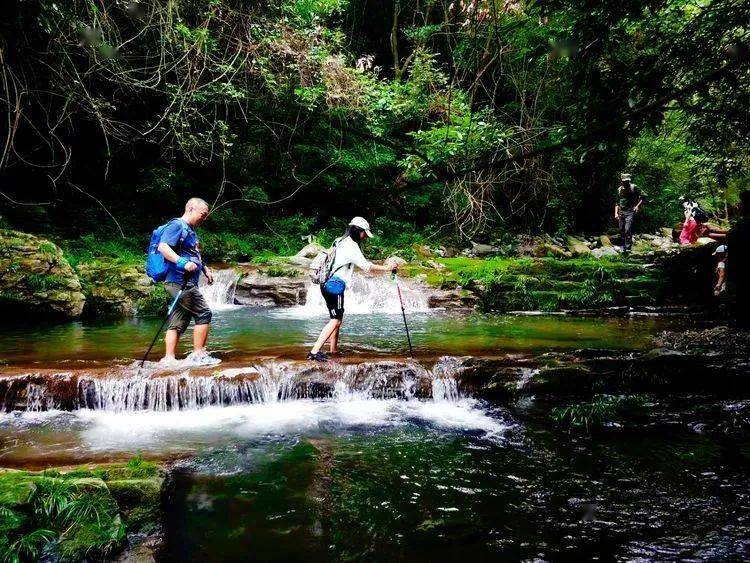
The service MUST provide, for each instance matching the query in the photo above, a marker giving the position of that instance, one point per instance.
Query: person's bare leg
(170, 342)
(200, 336)
(324, 334)
(334, 340)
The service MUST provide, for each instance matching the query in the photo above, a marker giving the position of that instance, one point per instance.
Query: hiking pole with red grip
(171, 309)
(403, 312)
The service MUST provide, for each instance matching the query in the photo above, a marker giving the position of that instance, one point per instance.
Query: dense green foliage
(434, 118)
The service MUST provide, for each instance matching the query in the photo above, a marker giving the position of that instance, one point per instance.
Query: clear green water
(246, 332)
(417, 495)
(389, 480)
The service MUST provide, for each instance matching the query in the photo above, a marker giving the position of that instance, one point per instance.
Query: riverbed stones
(481, 250)
(36, 279)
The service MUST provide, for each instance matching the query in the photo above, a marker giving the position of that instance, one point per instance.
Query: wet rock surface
(261, 289)
(554, 374)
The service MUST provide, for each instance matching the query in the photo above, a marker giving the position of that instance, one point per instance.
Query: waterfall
(258, 384)
(445, 389)
(269, 382)
(220, 294)
(369, 295)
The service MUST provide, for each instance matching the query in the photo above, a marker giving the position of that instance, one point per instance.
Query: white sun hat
(362, 223)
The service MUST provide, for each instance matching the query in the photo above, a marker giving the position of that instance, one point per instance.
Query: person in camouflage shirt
(629, 203)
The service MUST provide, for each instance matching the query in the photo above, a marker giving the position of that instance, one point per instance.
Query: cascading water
(270, 382)
(366, 295)
(220, 294)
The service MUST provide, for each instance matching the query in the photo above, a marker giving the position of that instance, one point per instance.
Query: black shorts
(334, 304)
(191, 305)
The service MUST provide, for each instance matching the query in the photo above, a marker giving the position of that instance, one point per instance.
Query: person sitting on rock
(179, 246)
(629, 203)
(692, 229)
(348, 255)
(696, 225)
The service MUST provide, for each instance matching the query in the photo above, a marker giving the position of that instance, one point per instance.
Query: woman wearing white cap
(348, 255)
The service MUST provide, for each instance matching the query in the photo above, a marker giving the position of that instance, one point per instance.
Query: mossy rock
(139, 501)
(93, 540)
(127, 497)
(113, 287)
(15, 488)
(36, 278)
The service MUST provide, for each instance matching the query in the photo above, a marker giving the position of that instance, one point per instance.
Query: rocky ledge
(582, 372)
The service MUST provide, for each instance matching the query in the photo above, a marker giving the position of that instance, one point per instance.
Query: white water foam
(220, 294)
(364, 295)
(102, 431)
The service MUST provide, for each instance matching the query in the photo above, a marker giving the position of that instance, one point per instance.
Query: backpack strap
(183, 233)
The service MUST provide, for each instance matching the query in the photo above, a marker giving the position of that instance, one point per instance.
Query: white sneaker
(169, 361)
(202, 359)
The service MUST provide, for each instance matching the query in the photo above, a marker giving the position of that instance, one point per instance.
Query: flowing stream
(377, 456)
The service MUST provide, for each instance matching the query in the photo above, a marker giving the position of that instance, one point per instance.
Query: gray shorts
(192, 305)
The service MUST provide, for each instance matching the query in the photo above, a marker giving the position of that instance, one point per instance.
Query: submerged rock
(35, 277)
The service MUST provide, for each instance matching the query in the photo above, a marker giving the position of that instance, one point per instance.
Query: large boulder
(577, 246)
(540, 246)
(265, 288)
(36, 278)
(112, 287)
(480, 249)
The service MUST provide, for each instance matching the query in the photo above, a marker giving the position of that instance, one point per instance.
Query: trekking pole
(403, 313)
(171, 309)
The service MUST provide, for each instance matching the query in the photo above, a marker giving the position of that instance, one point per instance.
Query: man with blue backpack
(174, 258)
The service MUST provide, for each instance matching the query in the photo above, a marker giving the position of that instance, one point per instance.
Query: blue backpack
(156, 265)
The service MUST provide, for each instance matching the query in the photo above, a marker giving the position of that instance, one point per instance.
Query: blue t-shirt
(188, 249)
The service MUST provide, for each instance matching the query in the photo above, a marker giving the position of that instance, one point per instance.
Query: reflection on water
(262, 331)
(411, 494)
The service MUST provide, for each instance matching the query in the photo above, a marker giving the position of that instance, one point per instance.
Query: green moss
(549, 284)
(95, 539)
(85, 512)
(15, 488)
(139, 502)
(155, 303)
(92, 248)
(42, 282)
(278, 272)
